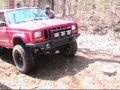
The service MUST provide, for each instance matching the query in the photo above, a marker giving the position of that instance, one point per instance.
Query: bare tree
(26, 3)
(38, 3)
(64, 9)
(29, 3)
(52, 4)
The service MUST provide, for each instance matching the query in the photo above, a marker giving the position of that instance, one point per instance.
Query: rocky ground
(84, 71)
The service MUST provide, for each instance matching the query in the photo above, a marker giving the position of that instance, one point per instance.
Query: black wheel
(69, 50)
(22, 58)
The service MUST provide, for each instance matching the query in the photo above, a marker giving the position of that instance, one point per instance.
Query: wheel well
(17, 41)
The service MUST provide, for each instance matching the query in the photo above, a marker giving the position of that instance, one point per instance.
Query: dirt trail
(84, 71)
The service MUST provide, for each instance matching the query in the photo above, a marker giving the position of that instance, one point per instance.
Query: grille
(46, 34)
(62, 28)
(60, 31)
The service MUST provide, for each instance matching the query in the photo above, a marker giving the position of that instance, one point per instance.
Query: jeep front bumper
(50, 44)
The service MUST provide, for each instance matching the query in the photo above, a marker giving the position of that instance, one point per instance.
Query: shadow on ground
(57, 66)
(4, 87)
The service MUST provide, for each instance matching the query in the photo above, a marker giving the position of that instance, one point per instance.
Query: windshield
(26, 14)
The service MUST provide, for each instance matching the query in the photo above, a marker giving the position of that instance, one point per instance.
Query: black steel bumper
(53, 43)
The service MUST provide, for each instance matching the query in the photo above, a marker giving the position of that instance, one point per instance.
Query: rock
(75, 70)
(66, 70)
(109, 70)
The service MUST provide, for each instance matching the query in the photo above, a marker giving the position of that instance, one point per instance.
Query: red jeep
(29, 31)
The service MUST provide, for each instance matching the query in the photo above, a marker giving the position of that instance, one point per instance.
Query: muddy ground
(84, 71)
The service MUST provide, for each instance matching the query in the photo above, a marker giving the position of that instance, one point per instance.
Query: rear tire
(23, 58)
(69, 50)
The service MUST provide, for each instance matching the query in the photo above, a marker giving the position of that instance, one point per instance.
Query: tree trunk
(52, 5)
(38, 3)
(11, 4)
(64, 9)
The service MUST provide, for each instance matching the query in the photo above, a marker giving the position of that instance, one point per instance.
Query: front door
(4, 41)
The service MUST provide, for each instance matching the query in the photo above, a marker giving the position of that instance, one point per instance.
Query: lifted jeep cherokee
(29, 31)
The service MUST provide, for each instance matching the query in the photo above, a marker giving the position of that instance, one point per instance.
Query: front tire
(69, 50)
(22, 58)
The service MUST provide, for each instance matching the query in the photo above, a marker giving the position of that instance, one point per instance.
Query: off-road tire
(22, 58)
(69, 50)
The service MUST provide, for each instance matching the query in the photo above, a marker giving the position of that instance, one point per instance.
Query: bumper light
(62, 33)
(56, 35)
(69, 32)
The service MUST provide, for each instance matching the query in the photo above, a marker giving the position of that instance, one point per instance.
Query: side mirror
(2, 23)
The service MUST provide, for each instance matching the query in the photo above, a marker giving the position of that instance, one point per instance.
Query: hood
(37, 24)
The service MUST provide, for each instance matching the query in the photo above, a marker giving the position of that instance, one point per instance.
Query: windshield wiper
(30, 20)
(26, 20)
(38, 18)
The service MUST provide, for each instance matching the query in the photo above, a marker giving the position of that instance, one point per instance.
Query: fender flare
(23, 37)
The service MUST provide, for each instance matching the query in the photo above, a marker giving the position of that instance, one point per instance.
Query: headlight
(37, 34)
(73, 27)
